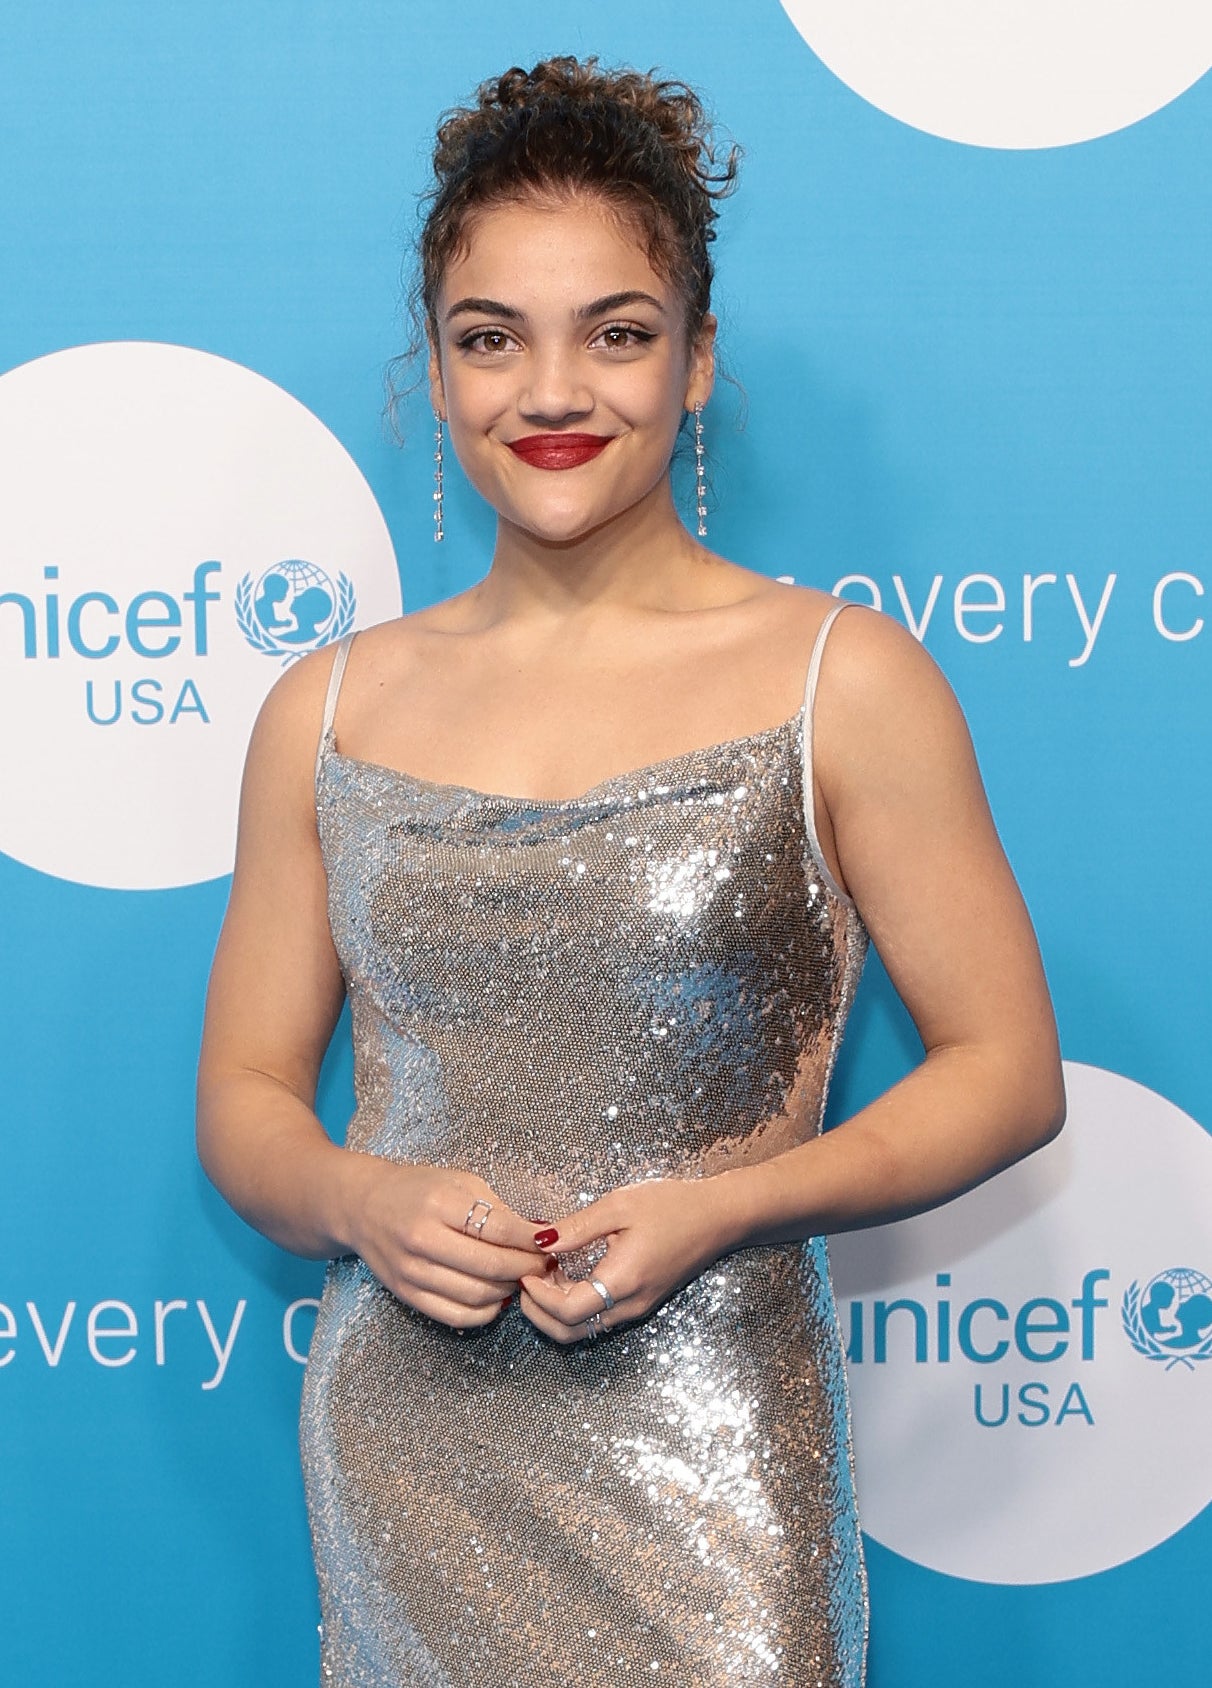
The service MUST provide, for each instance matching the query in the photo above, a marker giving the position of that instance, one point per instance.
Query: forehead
(550, 258)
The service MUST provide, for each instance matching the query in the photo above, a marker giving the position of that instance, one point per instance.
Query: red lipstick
(558, 451)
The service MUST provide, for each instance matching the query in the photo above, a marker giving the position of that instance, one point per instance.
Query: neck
(642, 559)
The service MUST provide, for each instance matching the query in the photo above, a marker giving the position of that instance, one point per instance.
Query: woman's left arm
(902, 811)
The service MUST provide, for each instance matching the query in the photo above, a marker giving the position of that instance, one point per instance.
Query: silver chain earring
(700, 487)
(437, 479)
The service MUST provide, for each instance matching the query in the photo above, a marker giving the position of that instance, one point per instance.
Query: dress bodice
(656, 971)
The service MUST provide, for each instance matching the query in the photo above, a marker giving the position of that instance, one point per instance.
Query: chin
(562, 527)
(566, 534)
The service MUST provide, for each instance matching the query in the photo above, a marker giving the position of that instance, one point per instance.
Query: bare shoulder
(293, 709)
(885, 711)
(875, 664)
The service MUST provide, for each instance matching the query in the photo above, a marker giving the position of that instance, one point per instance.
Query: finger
(452, 1313)
(499, 1264)
(488, 1220)
(587, 1225)
(555, 1329)
(570, 1305)
(460, 1289)
(508, 1229)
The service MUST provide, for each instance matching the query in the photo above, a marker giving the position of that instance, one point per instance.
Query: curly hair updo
(642, 146)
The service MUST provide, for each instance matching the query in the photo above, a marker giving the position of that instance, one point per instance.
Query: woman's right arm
(275, 994)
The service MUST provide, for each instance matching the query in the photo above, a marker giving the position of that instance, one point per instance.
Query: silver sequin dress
(646, 981)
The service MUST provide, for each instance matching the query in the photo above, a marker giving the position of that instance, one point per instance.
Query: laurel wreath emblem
(1148, 1345)
(262, 640)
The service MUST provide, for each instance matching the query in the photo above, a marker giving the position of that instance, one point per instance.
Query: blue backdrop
(958, 361)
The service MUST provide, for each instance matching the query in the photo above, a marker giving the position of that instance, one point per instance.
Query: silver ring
(607, 1298)
(476, 1225)
(594, 1326)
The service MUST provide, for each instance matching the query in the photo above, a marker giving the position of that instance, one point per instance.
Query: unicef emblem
(1171, 1318)
(294, 608)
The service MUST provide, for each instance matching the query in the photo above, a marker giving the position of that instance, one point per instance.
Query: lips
(558, 451)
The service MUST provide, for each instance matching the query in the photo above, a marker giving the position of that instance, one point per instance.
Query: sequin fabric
(646, 981)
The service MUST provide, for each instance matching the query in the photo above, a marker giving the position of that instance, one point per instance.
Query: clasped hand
(659, 1234)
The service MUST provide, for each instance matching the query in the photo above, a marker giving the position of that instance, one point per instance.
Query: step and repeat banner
(964, 304)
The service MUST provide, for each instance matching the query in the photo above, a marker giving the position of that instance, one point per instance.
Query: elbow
(1028, 1100)
(208, 1128)
(204, 1146)
(1045, 1118)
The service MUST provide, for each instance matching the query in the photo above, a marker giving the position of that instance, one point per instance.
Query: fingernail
(506, 1301)
(544, 1239)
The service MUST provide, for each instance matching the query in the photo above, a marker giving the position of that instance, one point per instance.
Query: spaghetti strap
(335, 677)
(809, 785)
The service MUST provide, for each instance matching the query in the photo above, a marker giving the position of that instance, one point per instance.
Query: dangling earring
(437, 479)
(700, 487)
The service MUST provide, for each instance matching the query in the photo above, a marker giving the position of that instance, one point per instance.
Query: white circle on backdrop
(133, 468)
(1012, 73)
(1021, 1497)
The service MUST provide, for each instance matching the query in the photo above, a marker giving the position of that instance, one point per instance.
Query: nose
(555, 391)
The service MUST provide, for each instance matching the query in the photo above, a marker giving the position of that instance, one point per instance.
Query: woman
(575, 1409)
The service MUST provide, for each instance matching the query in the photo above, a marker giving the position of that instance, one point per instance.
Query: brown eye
(622, 337)
(485, 340)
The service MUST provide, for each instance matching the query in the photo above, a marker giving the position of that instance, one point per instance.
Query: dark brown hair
(643, 146)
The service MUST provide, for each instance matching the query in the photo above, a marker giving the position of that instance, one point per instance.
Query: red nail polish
(506, 1301)
(544, 1239)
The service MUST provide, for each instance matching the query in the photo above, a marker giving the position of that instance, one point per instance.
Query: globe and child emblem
(294, 608)
(1170, 1319)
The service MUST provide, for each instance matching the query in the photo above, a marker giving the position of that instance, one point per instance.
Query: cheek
(653, 392)
(652, 408)
(471, 413)
(470, 400)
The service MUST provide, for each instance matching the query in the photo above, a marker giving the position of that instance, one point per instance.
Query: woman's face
(562, 366)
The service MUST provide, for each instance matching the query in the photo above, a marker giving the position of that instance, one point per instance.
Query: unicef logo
(147, 571)
(1171, 1318)
(996, 1348)
(294, 608)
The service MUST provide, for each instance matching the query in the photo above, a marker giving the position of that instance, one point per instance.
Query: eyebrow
(596, 307)
(483, 307)
(617, 301)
